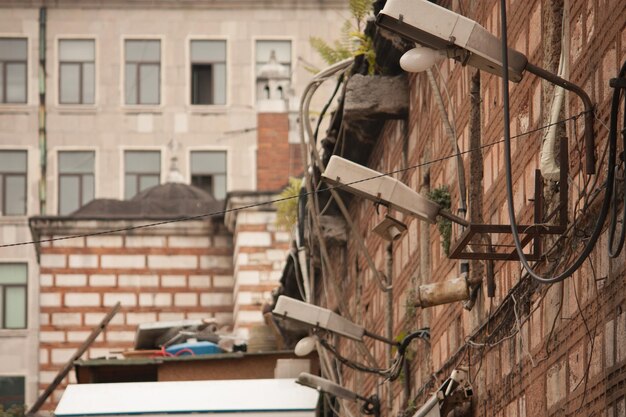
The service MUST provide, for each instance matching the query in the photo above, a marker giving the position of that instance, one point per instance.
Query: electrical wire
(615, 249)
(591, 242)
(278, 200)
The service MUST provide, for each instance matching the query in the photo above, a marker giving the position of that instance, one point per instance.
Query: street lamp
(467, 42)
(371, 404)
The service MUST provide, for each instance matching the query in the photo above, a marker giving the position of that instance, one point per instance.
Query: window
(76, 180)
(76, 71)
(12, 183)
(13, 277)
(208, 72)
(208, 171)
(142, 170)
(143, 71)
(12, 394)
(13, 54)
(281, 49)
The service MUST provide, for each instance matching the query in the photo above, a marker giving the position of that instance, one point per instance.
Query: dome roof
(166, 201)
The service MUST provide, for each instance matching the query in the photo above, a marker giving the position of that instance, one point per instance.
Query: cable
(509, 178)
(615, 250)
(234, 210)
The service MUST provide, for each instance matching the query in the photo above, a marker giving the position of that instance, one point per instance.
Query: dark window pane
(201, 84)
(204, 182)
(15, 203)
(12, 391)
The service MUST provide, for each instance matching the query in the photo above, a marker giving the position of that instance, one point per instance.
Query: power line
(278, 200)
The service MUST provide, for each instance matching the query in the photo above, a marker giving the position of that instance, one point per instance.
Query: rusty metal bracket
(470, 246)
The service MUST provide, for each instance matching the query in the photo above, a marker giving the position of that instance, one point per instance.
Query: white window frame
(57, 75)
(29, 288)
(122, 171)
(32, 170)
(54, 152)
(208, 108)
(138, 108)
(253, 99)
(229, 162)
(29, 81)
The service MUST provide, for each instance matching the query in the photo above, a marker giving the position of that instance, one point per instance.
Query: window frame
(292, 72)
(124, 62)
(139, 175)
(74, 174)
(3, 182)
(191, 63)
(3, 79)
(223, 150)
(3, 295)
(80, 104)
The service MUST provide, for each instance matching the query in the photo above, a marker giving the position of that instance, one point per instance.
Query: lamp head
(324, 385)
(390, 229)
(305, 346)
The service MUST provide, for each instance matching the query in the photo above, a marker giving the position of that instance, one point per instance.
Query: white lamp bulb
(305, 346)
(419, 59)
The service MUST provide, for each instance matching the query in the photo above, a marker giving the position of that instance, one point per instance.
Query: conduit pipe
(549, 169)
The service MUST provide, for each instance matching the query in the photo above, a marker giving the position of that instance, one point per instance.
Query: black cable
(301, 195)
(326, 106)
(591, 242)
(615, 249)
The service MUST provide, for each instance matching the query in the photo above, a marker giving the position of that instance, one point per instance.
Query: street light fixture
(467, 42)
(371, 405)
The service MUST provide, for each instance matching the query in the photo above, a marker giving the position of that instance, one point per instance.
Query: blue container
(198, 348)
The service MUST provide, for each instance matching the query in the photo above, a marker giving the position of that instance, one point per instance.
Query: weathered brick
(46, 280)
(119, 336)
(145, 241)
(126, 299)
(83, 261)
(102, 280)
(123, 261)
(555, 384)
(173, 281)
(138, 281)
(82, 299)
(61, 356)
(254, 239)
(199, 281)
(185, 299)
(138, 318)
(51, 337)
(71, 280)
(189, 242)
(50, 300)
(66, 319)
(173, 261)
(104, 241)
(216, 299)
(207, 262)
(155, 299)
(52, 261)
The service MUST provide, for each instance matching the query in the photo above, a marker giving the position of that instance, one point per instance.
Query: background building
(92, 93)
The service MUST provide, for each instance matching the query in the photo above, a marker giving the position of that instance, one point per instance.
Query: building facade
(528, 349)
(96, 99)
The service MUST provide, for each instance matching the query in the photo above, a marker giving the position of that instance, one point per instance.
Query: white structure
(241, 398)
(122, 79)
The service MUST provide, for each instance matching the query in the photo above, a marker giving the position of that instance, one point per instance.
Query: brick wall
(565, 355)
(171, 272)
(277, 159)
(260, 249)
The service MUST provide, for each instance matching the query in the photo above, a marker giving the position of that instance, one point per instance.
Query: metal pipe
(590, 157)
(43, 145)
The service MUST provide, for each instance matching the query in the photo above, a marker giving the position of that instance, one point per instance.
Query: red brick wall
(172, 273)
(277, 159)
(547, 366)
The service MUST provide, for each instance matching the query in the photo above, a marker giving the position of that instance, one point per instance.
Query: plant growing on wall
(353, 41)
(287, 209)
(441, 196)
